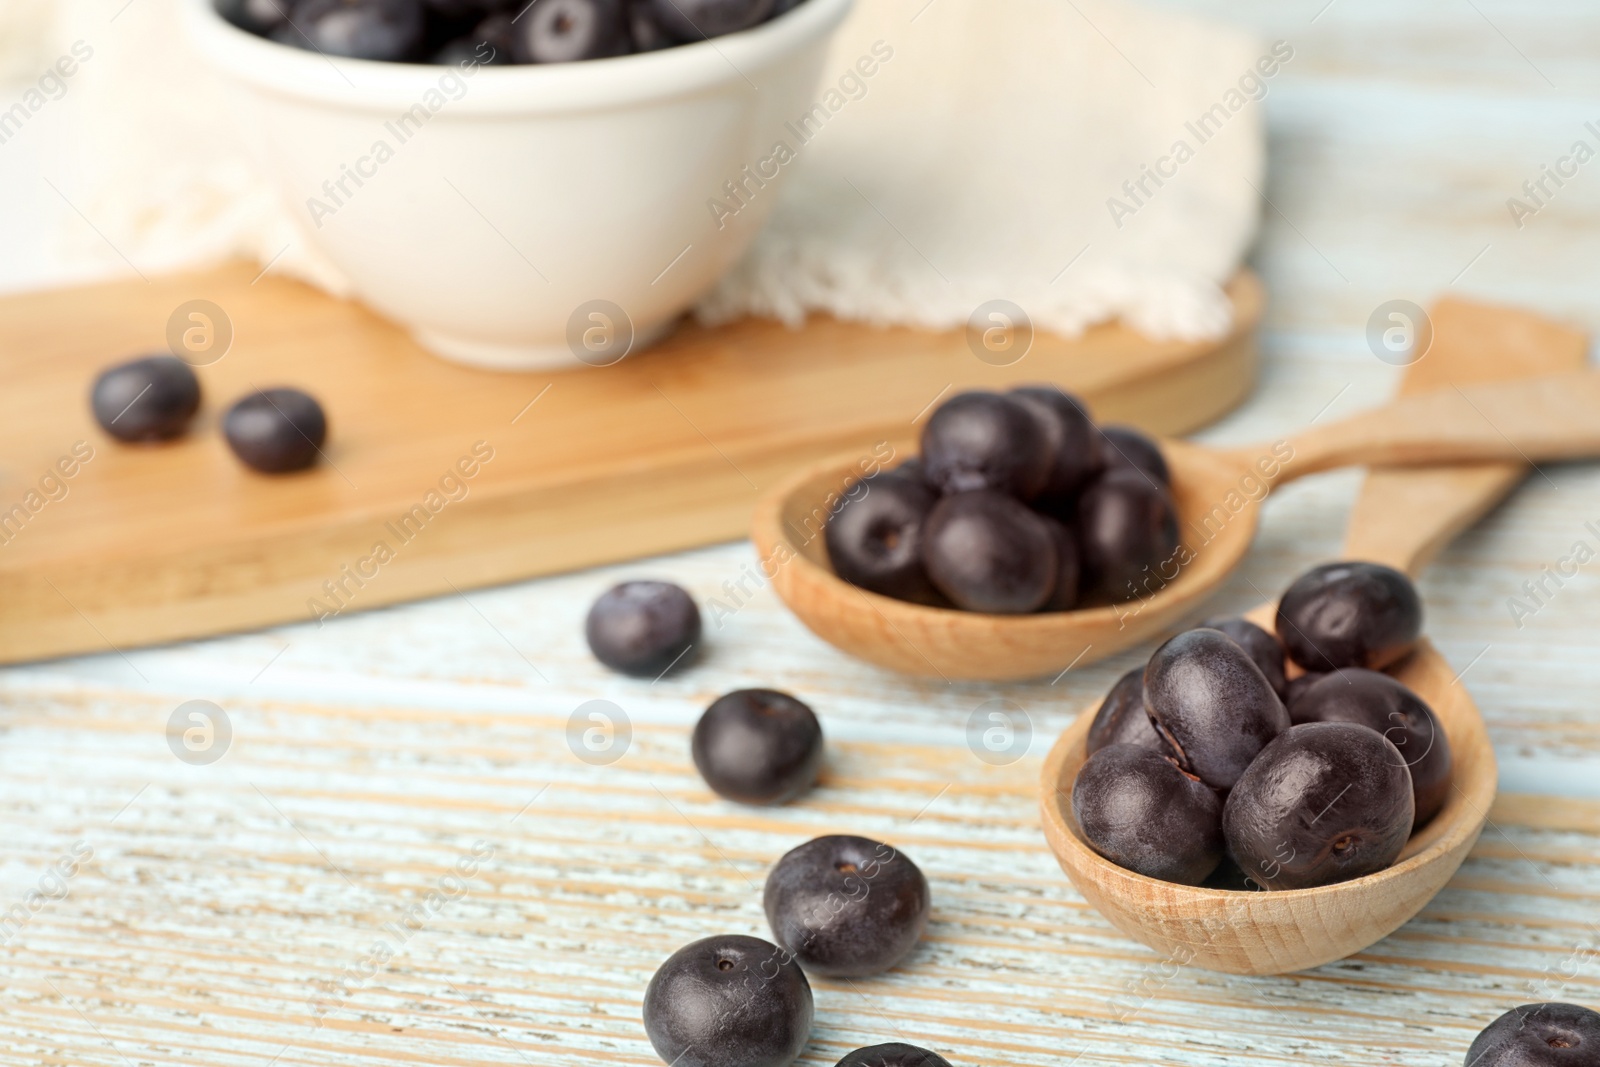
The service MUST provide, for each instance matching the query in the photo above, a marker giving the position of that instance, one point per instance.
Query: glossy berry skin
(1262, 646)
(1212, 704)
(989, 553)
(985, 441)
(1070, 437)
(1297, 687)
(728, 1001)
(1127, 449)
(1325, 802)
(149, 399)
(357, 29)
(255, 16)
(1064, 597)
(874, 536)
(276, 431)
(758, 746)
(846, 906)
(1539, 1035)
(911, 468)
(487, 43)
(646, 33)
(1138, 810)
(564, 31)
(1349, 615)
(894, 1054)
(1127, 532)
(1121, 719)
(642, 628)
(1381, 703)
(695, 20)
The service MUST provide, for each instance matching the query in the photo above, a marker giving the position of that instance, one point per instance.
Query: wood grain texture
(220, 900)
(1471, 344)
(200, 935)
(464, 477)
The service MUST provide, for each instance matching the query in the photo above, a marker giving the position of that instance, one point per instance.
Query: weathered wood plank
(217, 903)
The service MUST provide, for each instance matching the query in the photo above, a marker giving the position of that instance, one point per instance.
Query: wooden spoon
(1403, 518)
(1218, 494)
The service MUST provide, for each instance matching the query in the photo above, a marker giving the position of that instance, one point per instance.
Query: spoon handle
(1404, 516)
(1534, 420)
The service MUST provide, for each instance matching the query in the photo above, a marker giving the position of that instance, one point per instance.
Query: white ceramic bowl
(528, 216)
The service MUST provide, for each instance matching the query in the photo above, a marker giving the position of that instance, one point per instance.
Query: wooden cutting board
(440, 478)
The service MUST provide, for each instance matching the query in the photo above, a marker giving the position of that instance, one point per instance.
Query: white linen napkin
(986, 157)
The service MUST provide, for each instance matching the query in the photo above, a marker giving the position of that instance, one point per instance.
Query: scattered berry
(642, 628)
(149, 399)
(758, 746)
(846, 906)
(728, 1001)
(276, 431)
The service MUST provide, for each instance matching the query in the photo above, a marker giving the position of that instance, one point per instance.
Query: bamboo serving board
(440, 478)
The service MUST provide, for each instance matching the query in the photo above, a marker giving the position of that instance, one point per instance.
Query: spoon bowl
(952, 644)
(1403, 517)
(1290, 930)
(1217, 494)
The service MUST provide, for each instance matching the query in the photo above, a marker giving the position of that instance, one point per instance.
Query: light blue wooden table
(255, 910)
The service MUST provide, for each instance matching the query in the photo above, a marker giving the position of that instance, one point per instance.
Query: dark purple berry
(1349, 615)
(1297, 686)
(1325, 802)
(846, 906)
(276, 431)
(1211, 703)
(487, 43)
(1065, 595)
(1262, 646)
(564, 31)
(1128, 449)
(643, 29)
(461, 9)
(1127, 536)
(358, 29)
(1539, 1035)
(987, 552)
(149, 399)
(643, 628)
(1381, 703)
(1122, 720)
(758, 746)
(1140, 811)
(728, 1001)
(894, 1054)
(695, 20)
(874, 537)
(1070, 438)
(260, 17)
(911, 468)
(985, 441)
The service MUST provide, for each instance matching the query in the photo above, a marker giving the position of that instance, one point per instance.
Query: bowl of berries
(524, 185)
